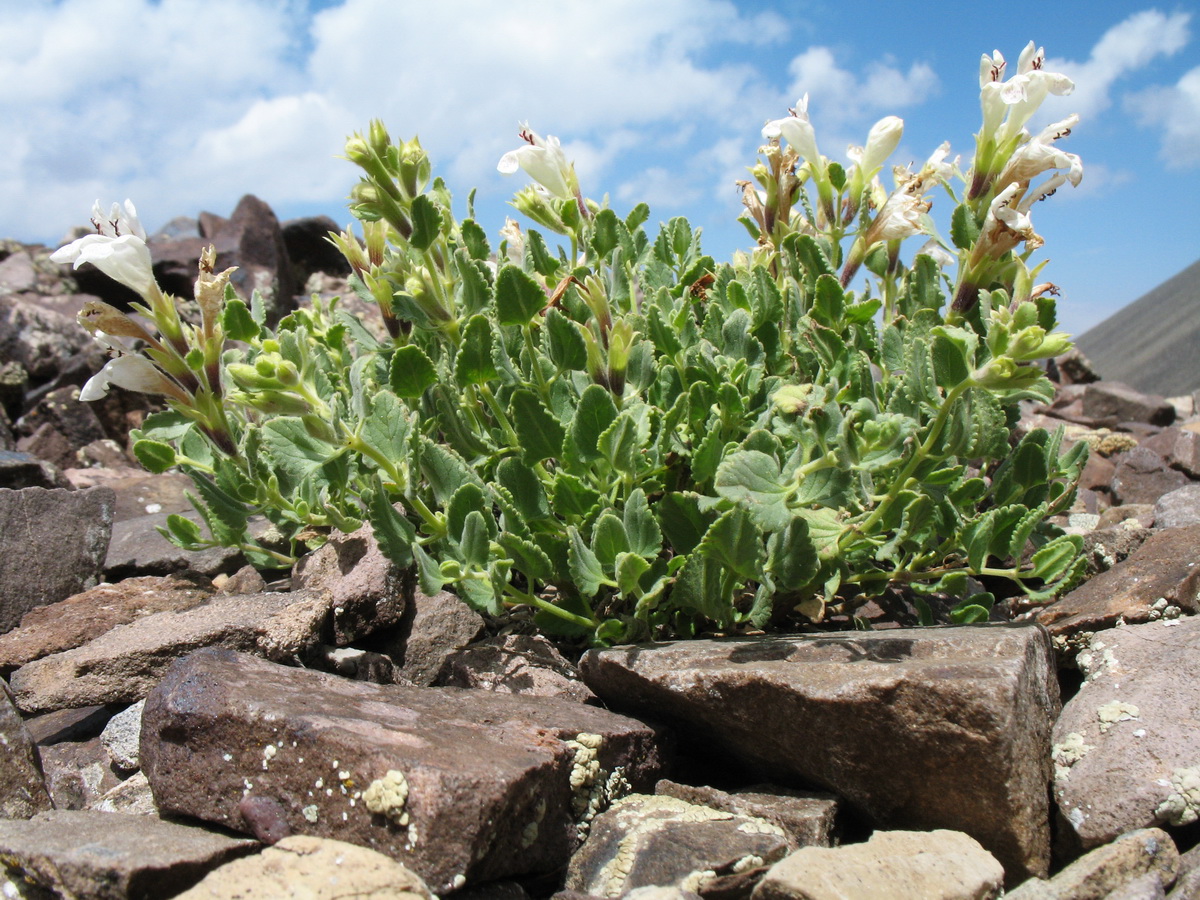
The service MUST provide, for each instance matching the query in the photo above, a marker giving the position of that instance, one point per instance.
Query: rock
(132, 797)
(67, 532)
(308, 247)
(1115, 867)
(138, 548)
(123, 664)
(108, 855)
(1141, 476)
(366, 589)
(78, 773)
(1180, 447)
(121, 735)
(893, 864)
(515, 664)
(71, 421)
(461, 786)
(77, 724)
(36, 338)
(808, 819)
(314, 869)
(24, 470)
(897, 712)
(22, 784)
(1075, 368)
(73, 622)
(662, 841)
(253, 241)
(139, 493)
(1125, 745)
(1164, 568)
(1178, 508)
(1110, 544)
(1121, 403)
(435, 627)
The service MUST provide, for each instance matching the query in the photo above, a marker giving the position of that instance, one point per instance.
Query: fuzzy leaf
(154, 456)
(474, 364)
(426, 220)
(735, 542)
(526, 489)
(791, 556)
(595, 413)
(411, 372)
(586, 570)
(395, 534)
(518, 297)
(608, 539)
(753, 479)
(564, 343)
(540, 433)
(645, 537)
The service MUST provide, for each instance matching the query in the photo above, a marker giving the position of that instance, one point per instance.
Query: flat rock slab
(73, 622)
(1165, 567)
(66, 532)
(1148, 854)
(110, 856)
(917, 728)
(808, 819)
(461, 786)
(1127, 746)
(123, 664)
(313, 869)
(944, 864)
(22, 784)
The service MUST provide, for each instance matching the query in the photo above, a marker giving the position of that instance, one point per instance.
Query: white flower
(514, 239)
(1039, 155)
(902, 216)
(544, 161)
(1026, 90)
(134, 373)
(797, 130)
(118, 249)
(881, 141)
(1007, 224)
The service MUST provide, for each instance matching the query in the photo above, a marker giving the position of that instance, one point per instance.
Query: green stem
(528, 599)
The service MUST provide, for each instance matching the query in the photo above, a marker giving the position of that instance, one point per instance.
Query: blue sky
(184, 105)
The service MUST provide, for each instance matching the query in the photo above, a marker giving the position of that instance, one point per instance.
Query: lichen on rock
(387, 796)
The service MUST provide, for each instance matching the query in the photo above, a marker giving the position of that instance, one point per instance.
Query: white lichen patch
(1065, 754)
(228, 757)
(1182, 806)
(1116, 711)
(746, 863)
(529, 834)
(1095, 660)
(755, 825)
(593, 789)
(268, 753)
(310, 813)
(694, 882)
(387, 796)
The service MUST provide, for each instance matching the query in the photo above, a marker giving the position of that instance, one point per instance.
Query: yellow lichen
(387, 796)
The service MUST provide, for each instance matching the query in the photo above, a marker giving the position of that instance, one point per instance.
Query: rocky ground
(173, 725)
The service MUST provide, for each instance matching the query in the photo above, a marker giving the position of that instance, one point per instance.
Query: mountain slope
(1153, 344)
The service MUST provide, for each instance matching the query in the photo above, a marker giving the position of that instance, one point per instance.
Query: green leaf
(540, 433)
(698, 587)
(518, 297)
(837, 175)
(683, 521)
(474, 363)
(544, 262)
(735, 542)
(522, 482)
(829, 305)
(609, 539)
(619, 444)
(637, 216)
(296, 453)
(475, 287)
(467, 499)
(753, 479)
(474, 541)
(154, 456)
(605, 235)
(237, 323)
(445, 470)
(1056, 557)
(528, 557)
(426, 220)
(964, 230)
(475, 239)
(595, 413)
(629, 570)
(183, 531)
(395, 534)
(386, 430)
(791, 556)
(645, 537)
(977, 537)
(411, 372)
(586, 570)
(429, 573)
(573, 498)
(564, 343)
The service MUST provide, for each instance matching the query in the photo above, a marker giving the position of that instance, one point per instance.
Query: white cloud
(837, 94)
(1175, 112)
(1128, 46)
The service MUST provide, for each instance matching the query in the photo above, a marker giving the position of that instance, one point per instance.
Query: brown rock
(24, 470)
(1164, 568)
(22, 784)
(73, 622)
(1178, 508)
(123, 664)
(942, 864)
(252, 240)
(109, 856)
(896, 713)
(138, 548)
(132, 796)
(516, 664)
(1121, 403)
(462, 787)
(1110, 869)
(67, 532)
(1125, 745)
(807, 818)
(71, 418)
(662, 841)
(434, 628)
(78, 773)
(139, 492)
(77, 724)
(37, 338)
(312, 868)
(1142, 476)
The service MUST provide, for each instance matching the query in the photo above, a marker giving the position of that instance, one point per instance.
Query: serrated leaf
(518, 297)
(595, 413)
(698, 587)
(184, 532)
(645, 537)
(572, 497)
(386, 430)
(609, 539)
(829, 304)
(544, 262)
(791, 556)
(411, 372)
(540, 433)
(426, 222)
(154, 456)
(295, 452)
(526, 489)
(1055, 558)
(977, 538)
(480, 594)
(445, 470)
(564, 343)
(237, 323)
(735, 542)
(753, 479)
(964, 230)
(586, 570)
(605, 236)
(528, 557)
(475, 239)
(629, 570)
(395, 534)
(474, 364)
(429, 573)
(619, 444)
(684, 523)
(473, 545)
(469, 498)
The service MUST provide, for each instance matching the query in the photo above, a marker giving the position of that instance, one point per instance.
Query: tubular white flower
(881, 142)
(134, 373)
(544, 161)
(902, 216)
(797, 130)
(118, 249)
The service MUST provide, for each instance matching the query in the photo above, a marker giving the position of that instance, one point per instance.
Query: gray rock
(462, 787)
(1180, 447)
(896, 713)
(435, 628)
(78, 773)
(1125, 746)
(37, 338)
(138, 548)
(72, 422)
(1142, 476)
(515, 664)
(645, 841)
(132, 796)
(1147, 858)
(66, 532)
(123, 664)
(944, 864)
(315, 869)
(808, 819)
(1178, 508)
(108, 856)
(121, 735)
(1120, 403)
(22, 784)
(24, 470)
